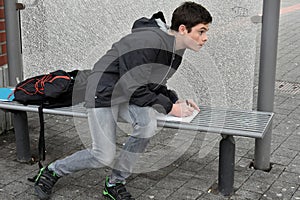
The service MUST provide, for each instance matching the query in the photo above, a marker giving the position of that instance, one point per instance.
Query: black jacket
(136, 69)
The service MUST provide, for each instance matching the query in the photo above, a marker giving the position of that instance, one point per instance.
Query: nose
(204, 37)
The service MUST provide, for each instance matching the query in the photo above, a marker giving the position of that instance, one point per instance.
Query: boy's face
(196, 38)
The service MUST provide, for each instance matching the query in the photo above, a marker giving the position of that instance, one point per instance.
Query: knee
(148, 129)
(145, 126)
(103, 157)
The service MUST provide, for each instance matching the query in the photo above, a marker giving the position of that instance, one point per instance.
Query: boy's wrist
(174, 109)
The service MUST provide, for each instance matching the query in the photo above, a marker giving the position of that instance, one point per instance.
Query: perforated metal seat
(215, 120)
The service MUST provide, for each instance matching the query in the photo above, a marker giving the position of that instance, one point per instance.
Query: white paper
(162, 117)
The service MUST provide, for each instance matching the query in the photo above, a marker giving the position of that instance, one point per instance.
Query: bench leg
(22, 136)
(226, 165)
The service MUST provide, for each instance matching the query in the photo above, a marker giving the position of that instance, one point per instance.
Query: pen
(187, 103)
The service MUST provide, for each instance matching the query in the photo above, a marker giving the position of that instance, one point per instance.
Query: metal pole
(15, 63)
(268, 56)
(226, 165)
(22, 136)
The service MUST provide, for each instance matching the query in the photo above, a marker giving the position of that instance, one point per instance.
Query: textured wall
(71, 34)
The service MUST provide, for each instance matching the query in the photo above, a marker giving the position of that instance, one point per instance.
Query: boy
(129, 82)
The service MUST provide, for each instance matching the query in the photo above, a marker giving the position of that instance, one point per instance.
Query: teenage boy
(129, 82)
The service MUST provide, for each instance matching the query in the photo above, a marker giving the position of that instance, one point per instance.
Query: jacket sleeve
(135, 78)
(162, 89)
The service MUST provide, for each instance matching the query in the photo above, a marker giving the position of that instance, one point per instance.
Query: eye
(201, 32)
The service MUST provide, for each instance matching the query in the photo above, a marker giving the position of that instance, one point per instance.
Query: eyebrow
(203, 28)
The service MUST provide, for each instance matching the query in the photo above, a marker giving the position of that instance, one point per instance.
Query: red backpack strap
(56, 77)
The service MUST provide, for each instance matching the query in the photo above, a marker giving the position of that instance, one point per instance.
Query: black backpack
(52, 90)
(49, 90)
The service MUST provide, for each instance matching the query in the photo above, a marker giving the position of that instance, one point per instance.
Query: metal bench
(227, 122)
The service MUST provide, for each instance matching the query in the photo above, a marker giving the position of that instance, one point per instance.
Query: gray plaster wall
(74, 34)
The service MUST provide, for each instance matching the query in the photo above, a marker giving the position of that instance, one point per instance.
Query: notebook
(162, 117)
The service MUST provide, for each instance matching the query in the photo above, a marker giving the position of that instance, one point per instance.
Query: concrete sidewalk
(190, 176)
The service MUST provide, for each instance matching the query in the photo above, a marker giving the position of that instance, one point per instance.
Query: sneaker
(116, 191)
(44, 183)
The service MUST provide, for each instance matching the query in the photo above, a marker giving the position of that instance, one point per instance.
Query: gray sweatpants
(102, 123)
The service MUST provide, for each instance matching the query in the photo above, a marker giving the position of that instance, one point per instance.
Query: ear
(182, 29)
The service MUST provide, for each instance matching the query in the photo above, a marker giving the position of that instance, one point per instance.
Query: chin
(196, 49)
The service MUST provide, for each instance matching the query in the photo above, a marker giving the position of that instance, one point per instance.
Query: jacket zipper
(170, 67)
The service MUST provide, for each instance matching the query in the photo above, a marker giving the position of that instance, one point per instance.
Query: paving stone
(296, 196)
(290, 178)
(292, 143)
(170, 183)
(27, 192)
(141, 182)
(278, 118)
(156, 193)
(242, 152)
(202, 184)
(241, 175)
(259, 175)
(91, 193)
(296, 160)
(204, 158)
(285, 128)
(278, 100)
(193, 166)
(250, 153)
(15, 188)
(244, 194)
(297, 110)
(280, 190)
(282, 160)
(277, 169)
(255, 186)
(182, 174)
(8, 177)
(4, 195)
(242, 142)
(158, 175)
(185, 194)
(276, 138)
(244, 163)
(86, 181)
(68, 191)
(61, 197)
(294, 168)
(204, 154)
(282, 111)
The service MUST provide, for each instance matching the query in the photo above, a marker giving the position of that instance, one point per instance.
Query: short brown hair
(190, 14)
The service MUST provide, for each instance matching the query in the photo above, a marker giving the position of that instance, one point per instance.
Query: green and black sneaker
(44, 183)
(116, 191)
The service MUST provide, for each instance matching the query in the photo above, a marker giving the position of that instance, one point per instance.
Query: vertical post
(15, 64)
(268, 56)
(226, 165)
(22, 136)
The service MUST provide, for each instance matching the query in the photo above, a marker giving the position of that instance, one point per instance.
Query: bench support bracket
(226, 165)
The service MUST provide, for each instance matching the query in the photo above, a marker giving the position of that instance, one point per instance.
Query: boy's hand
(184, 108)
(191, 103)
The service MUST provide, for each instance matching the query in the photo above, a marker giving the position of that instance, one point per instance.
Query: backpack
(51, 90)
